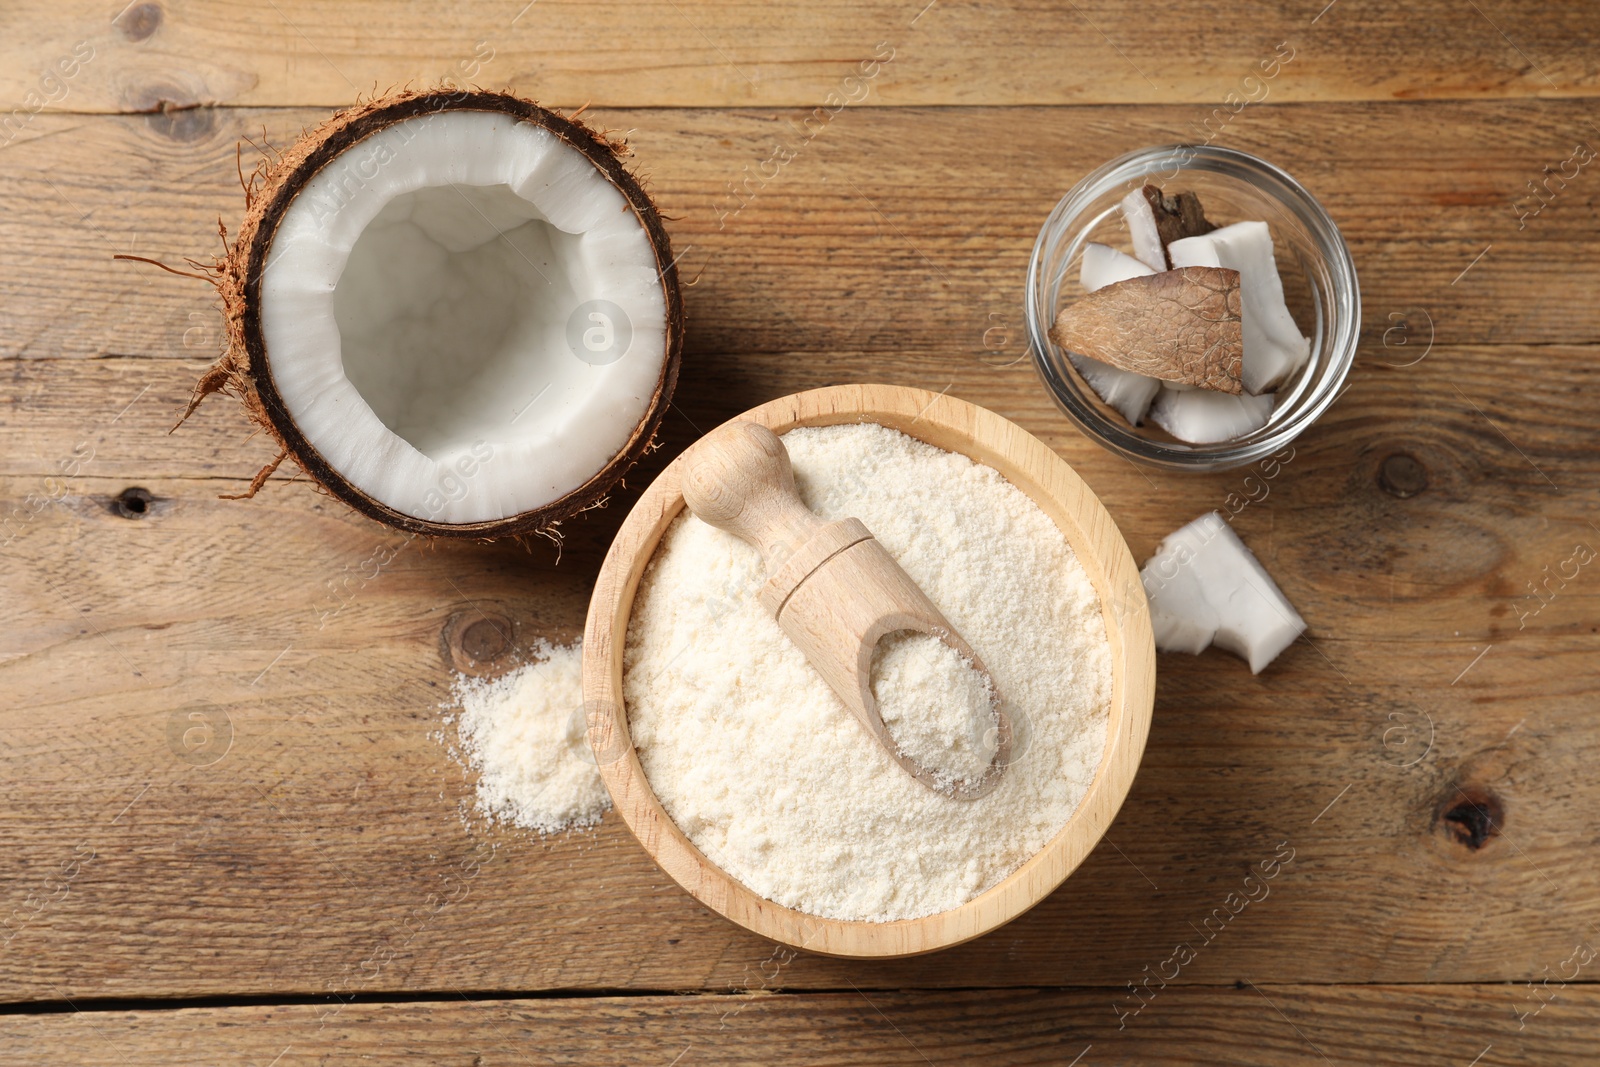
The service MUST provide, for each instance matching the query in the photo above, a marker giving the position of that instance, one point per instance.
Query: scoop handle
(840, 592)
(739, 478)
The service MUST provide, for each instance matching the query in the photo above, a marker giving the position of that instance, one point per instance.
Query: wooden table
(299, 884)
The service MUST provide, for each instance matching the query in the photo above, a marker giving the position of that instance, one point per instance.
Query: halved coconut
(457, 312)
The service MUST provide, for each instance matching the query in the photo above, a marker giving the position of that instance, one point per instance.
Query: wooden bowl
(1027, 463)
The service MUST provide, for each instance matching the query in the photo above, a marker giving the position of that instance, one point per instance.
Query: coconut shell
(1176, 216)
(244, 368)
(1179, 326)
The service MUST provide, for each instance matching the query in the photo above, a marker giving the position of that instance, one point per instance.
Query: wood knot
(139, 21)
(185, 123)
(1402, 476)
(479, 641)
(1470, 815)
(133, 502)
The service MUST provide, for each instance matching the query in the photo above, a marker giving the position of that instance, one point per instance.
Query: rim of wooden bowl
(1031, 466)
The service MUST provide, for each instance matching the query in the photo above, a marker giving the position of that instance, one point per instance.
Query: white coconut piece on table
(1181, 618)
(1206, 588)
(1129, 393)
(1203, 417)
(1274, 347)
(1142, 229)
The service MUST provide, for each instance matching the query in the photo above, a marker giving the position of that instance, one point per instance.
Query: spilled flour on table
(524, 735)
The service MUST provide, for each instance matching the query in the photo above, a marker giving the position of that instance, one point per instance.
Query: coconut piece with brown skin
(1176, 216)
(456, 311)
(1178, 325)
(1155, 220)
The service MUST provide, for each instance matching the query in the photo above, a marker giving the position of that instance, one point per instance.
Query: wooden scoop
(832, 587)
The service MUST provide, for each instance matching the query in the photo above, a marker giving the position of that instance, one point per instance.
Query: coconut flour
(775, 781)
(524, 735)
(936, 705)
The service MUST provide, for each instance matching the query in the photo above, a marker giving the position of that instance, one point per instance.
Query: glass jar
(1319, 283)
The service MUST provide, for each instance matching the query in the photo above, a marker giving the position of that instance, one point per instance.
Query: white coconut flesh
(1274, 347)
(1207, 588)
(1124, 390)
(463, 316)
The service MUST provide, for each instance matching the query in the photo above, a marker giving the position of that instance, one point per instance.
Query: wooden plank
(706, 53)
(319, 856)
(1252, 1025)
(1484, 427)
(893, 231)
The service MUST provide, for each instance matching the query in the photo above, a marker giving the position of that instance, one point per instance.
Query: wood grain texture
(890, 231)
(223, 769)
(1253, 1025)
(701, 52)
(1059, 493)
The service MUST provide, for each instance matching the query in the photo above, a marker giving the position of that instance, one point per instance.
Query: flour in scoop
(524, 734)
(937, 706)
(770, 776)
